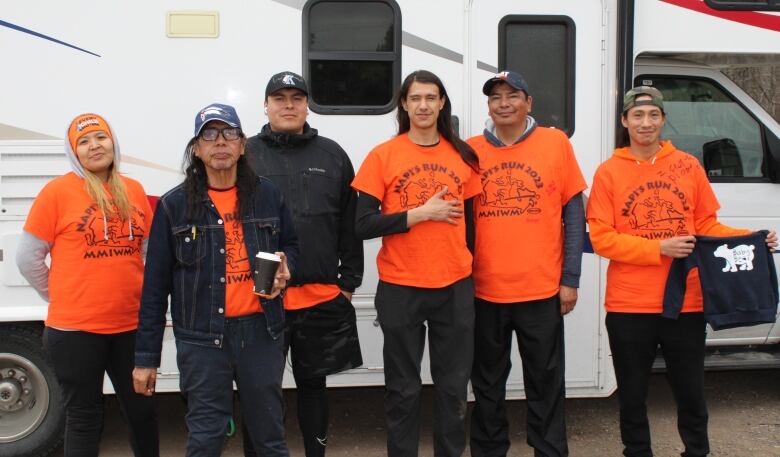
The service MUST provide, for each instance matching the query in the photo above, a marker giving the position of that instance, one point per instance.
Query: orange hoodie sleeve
(606, 240)
(622, 247)
(710, 226)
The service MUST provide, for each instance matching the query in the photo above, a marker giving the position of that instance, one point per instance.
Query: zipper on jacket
(306, 191)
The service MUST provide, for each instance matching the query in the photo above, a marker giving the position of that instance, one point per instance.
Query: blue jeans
(256, 362)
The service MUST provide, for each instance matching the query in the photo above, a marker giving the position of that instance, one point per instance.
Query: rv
(154, 63)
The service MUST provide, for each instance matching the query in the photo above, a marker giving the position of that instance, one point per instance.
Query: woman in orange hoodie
(93, 224)
(647, 202)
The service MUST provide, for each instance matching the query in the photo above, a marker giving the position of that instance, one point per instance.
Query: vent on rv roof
(192, 24)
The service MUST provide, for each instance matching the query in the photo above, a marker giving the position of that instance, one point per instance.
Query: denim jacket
(188, 264)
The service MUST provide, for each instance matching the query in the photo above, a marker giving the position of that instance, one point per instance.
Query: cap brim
(287, 87)
(488, 86)
(232, 124)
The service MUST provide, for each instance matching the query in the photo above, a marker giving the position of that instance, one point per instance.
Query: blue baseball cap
(510, 77)
(216, 112)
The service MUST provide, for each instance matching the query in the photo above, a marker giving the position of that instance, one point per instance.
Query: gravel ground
(744, 421)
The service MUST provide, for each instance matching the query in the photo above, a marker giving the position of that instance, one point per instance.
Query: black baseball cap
(286, 80)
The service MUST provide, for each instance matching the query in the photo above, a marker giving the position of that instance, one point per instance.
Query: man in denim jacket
(204, 237)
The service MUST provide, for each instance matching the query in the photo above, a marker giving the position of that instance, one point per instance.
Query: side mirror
(721, 158)
(773, 147)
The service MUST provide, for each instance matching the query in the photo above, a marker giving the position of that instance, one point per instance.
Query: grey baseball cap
(656, 98)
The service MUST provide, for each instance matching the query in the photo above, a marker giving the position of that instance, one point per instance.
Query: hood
(287, 139)
(666, 149)
(490, 131)
(75, 165)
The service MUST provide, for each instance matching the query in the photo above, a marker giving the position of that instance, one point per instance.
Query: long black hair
(444, 121)
(196, 182)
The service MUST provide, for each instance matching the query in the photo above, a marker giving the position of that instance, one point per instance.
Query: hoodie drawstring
(652, 161)
(105, 228)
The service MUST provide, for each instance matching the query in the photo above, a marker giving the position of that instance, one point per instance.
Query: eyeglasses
(228, 133)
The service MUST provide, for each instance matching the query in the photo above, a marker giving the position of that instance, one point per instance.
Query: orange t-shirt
(518, 250)
(632, 206)
(239, 298)
(96, 268)
(309, 295)
(403, 176)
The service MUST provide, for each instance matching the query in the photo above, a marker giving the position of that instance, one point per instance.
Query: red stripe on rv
(764, 21)
(153, 201)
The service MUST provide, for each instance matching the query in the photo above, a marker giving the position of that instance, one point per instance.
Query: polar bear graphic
(741, 255)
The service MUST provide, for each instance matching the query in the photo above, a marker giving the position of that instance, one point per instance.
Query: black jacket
(314, 175)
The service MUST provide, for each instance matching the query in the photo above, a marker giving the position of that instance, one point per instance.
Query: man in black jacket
(314, 174)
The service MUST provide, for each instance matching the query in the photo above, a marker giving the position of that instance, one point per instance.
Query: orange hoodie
(635, 204)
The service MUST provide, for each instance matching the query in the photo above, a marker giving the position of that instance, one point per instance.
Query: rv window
(744, 5)
(352, 55)
(541, 48)
(704, 120)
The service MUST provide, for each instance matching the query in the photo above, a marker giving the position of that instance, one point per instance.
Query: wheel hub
(24, 397)
(15, 390)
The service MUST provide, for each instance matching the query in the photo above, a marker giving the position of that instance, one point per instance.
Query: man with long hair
(412, 190)
(205, 234)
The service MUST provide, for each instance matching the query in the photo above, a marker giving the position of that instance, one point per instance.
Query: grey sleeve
(31, 261)
(144, 248)
(573, 240)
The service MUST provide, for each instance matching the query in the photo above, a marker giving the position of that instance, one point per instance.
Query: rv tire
(32, 418)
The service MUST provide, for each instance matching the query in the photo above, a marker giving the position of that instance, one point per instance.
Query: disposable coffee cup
(266, 265)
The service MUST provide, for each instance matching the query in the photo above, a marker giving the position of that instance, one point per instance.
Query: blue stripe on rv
(45, 37)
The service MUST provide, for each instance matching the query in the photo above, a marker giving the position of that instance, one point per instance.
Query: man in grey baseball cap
(630, 99)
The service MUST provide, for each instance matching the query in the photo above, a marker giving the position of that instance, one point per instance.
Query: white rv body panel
(114, 58)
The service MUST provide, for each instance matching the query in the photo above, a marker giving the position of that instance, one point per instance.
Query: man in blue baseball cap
(518, 290)
(205, 235)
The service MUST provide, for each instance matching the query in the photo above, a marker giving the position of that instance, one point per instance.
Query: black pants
(634, 340)
(403, 313)
(80, 361)
(323, 340)
(539, 328)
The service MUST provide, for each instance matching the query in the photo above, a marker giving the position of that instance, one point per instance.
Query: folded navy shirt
(738, 281)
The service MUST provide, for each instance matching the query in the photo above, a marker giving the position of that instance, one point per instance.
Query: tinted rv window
(744, 5)
(541, 48)
(352, 55)
(704, 120)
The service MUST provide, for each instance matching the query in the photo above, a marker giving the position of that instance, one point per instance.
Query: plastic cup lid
(268, 256)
